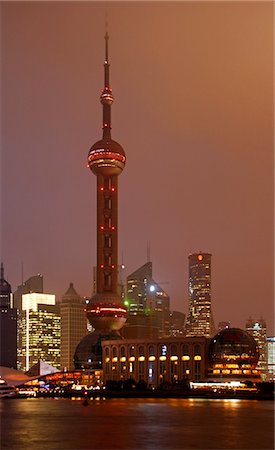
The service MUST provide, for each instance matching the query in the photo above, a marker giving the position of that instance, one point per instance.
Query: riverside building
(39, 331)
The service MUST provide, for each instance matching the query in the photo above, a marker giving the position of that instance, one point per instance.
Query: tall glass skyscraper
(200, 321)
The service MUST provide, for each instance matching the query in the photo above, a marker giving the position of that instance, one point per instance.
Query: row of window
(152, 350)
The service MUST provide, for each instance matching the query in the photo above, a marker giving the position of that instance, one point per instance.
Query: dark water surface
(49, 424)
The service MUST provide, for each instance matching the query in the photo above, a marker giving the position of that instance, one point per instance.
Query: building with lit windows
(73, 325)
(257, 329)
(233, 355)
(39, 331)
(271, 358)
(148, 306)
(200, 320)
(155, 360)
(8, 325)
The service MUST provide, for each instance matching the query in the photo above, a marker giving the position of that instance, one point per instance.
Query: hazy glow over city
(193, 88)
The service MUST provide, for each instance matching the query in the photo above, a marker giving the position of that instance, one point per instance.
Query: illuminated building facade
(8, 325)
(271, 358)
(106, 159)
(200, 320)
(257, 329)
(39, 331)
(155, 360)
(148, 306)
(233, 355)
(73, 325)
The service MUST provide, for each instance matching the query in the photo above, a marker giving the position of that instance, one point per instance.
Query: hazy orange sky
(193, 87)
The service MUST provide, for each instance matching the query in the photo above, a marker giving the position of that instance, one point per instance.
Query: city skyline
(194, 114)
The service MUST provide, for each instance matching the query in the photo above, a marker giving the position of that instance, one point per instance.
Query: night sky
(193, 110)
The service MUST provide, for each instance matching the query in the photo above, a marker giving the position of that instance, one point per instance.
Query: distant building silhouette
(39, 331)
(257, 329)
(200, 321)
(32, 284)
(177, 322)
(8, 325)
(73, 325)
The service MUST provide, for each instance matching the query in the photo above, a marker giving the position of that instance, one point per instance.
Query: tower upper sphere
(106, 157)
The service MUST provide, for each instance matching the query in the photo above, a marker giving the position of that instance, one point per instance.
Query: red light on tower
(200, 257)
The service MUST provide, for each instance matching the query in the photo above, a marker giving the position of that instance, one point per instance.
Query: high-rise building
(271, 358)
(105, 310)
(200, 320)
(32, 284)
(148, 305)
(39, 331)
(73, 325)
(257, 329)
(8, 324)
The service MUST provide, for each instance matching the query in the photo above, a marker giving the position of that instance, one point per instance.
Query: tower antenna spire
(106, 97)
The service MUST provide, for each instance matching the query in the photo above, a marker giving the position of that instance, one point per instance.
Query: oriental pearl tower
(105, 311)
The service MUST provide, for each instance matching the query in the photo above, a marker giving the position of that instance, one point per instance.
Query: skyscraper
(200, 321)
(257, 329)
(8, 324)
(73, 325)
(106, 159)
(148, 305)
(39, 331)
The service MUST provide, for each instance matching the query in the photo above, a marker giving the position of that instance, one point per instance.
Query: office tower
(271, 358)
(148, 305)
(73, 325)
(257, 329)
(200, 321)
(39, 331)
(8, 325)
(105, 311)
(223, 325)
(33, 284)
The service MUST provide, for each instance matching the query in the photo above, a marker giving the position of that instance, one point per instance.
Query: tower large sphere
(106, 157)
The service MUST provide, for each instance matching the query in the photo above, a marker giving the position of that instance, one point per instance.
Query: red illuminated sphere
(106, 157)
(106, 313)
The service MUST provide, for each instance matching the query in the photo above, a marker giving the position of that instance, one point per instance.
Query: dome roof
(109, 145)
(233, 345)
(88, 353)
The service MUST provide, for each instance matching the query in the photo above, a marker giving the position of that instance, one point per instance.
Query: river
(136, 424)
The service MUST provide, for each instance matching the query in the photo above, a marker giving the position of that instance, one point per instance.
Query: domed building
(233, 355)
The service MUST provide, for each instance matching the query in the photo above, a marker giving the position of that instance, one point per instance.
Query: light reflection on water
(151, 424)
